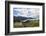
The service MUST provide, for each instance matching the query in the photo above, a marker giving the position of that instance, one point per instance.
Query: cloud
(26, 12)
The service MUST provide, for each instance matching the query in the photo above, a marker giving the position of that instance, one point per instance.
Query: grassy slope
(32, 23)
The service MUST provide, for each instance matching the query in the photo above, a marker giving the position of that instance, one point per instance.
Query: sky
(26, 12)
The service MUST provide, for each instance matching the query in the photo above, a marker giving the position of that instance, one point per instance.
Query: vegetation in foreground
(32, 23)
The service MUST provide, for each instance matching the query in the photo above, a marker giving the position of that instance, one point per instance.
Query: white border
(27, 28)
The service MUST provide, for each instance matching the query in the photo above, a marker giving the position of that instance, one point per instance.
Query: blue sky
(25, 12)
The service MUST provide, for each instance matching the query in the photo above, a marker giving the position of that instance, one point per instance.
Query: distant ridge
(20, 18)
